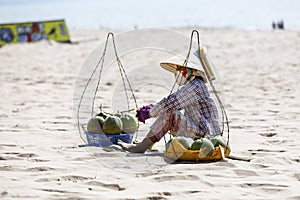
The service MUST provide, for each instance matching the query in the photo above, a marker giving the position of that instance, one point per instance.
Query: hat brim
(172, 67)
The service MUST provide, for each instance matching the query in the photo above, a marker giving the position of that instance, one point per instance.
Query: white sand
(40, 158)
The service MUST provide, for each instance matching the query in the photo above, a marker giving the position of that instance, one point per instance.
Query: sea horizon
(133, 14)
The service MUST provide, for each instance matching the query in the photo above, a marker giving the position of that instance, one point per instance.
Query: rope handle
(121, 70)
(100, 64)
(125, 77)
(190, 46)
(224, 114)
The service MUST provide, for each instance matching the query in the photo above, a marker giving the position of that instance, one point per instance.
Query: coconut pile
(105, 123)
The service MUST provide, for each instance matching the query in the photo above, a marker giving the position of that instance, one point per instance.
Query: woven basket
(103, 140)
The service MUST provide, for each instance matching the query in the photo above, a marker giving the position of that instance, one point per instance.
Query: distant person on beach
(274, 25)
(200, 112)
(278, 25)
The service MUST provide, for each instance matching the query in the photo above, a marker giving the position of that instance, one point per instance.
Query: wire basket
(104, 140)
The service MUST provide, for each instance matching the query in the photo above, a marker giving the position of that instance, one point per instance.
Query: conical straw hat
(173, 67)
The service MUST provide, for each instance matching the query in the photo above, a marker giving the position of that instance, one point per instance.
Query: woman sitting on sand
(200, 113)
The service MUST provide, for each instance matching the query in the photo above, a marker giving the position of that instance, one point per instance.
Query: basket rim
(104, 134)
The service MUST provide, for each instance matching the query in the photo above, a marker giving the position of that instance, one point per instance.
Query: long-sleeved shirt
(199, 108)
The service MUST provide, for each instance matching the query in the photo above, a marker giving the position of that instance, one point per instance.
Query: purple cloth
(143, 113)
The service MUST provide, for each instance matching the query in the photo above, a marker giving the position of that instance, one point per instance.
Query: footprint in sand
(59, 191)
(267, 187)
(27, 155)
(75, 178)
(39, 160)
(20, 156)
(8, 145)
(167, 195)
(296, 160)
(10, 168)
(268, 134)
(3, 194)
(9, 158)
(71, 178)
(244, 173)
(82, 158)
(226, 164)
(177, 177)
(106, 185)
(297, 176)
(41, 169)
(263, 152)
(294, 198)
(146, 174)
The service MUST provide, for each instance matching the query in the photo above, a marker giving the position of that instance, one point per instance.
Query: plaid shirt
(199, 108)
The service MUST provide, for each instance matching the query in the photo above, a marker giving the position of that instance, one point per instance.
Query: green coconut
(103, 115)
(95, 125)
(219, 140)
(197, 144)
(118, 114)
(112, 125)
(183, 140)
(130, 123)
(203, 144)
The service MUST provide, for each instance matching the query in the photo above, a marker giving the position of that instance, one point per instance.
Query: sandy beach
(39, 153)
